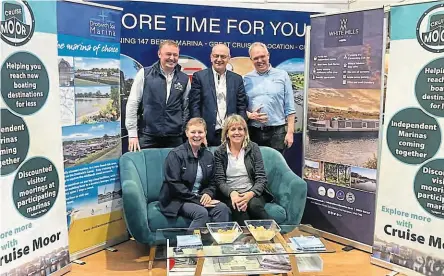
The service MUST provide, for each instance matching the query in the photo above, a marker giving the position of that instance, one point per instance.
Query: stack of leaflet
(280, 262)
(308, 244)
(189, 241)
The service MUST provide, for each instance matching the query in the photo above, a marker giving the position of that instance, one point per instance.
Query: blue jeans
(200, 215)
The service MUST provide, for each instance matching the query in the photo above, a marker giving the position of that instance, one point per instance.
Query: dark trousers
(255, 210)
(215, 141)
(149, 141)
(201, 215)
(269, 136)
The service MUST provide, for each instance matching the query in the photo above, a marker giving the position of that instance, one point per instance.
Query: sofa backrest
(147, 167)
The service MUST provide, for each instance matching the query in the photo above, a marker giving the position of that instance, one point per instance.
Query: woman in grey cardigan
(240, 174)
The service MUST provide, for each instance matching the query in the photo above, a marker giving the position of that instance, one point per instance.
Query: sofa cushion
(276, 211)
(156, 220)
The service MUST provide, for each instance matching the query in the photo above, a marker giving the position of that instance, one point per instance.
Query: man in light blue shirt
(270, 101)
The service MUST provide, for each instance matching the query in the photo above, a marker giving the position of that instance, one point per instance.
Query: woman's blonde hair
(196, 122)
(229, 122)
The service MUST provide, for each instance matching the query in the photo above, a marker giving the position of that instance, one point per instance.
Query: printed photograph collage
(90, 109)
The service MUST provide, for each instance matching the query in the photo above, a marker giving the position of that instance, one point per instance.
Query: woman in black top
(188, 188)
(240, 173)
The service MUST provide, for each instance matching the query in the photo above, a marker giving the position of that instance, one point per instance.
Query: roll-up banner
(33, 232)
(409, 234)
(89, 74)
(198, 28)
(343, 123)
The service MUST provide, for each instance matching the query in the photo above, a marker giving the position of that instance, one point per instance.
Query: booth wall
(287, 5)
(139, 46)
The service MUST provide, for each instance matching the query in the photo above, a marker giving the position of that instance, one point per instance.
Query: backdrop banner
(410, 205)
(198, 28)
(343, 119)
(89, 62)
(33, 232)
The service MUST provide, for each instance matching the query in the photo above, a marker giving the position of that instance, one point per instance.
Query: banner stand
(396, 248)
(91, 84)
(307, 226)
(95, 249)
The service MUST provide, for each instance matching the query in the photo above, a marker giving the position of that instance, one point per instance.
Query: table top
(244, 245)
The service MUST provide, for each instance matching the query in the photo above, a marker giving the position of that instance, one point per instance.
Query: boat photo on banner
(342, 123)
(409, 235)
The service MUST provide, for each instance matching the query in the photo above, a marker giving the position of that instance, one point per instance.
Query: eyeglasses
(219, 56)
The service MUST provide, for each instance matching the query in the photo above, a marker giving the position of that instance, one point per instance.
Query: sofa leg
(152, 256)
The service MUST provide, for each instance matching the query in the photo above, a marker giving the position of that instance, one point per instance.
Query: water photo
(129, 68)
(313, 170)
(295, 69)
(84, 144)
(96, 71)
(363, 179)
(343, 126)
(95, 104)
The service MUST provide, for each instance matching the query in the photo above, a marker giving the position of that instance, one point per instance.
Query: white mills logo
(343, 22)
(17, 22)
(430, 29)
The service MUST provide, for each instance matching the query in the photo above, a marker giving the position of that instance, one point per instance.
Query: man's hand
(235, 199)
(133, 144)
(258, 116)
(245, 198)
(205, 199)
(289, 139)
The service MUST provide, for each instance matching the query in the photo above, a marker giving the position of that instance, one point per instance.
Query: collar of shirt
(266, 72)
(216, 74)
(170, 75)
(241, 152)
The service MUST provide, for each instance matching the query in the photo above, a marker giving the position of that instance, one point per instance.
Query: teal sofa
(141, 175)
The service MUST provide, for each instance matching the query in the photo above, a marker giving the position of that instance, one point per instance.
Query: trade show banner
(89, 74)
(409, 234)
(343, 119)
(33, 232)
(198, 28)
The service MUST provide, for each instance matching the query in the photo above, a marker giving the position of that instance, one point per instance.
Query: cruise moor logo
(430, 29)
(17, 22)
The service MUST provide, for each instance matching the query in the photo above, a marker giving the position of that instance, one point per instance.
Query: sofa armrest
(135, 210)
(291, 194)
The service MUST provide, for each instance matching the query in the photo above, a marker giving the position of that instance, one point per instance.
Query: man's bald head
(221, 47)
(220, 55)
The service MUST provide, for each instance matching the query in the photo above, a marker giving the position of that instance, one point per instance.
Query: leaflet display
(32, 185)
(343, 123)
